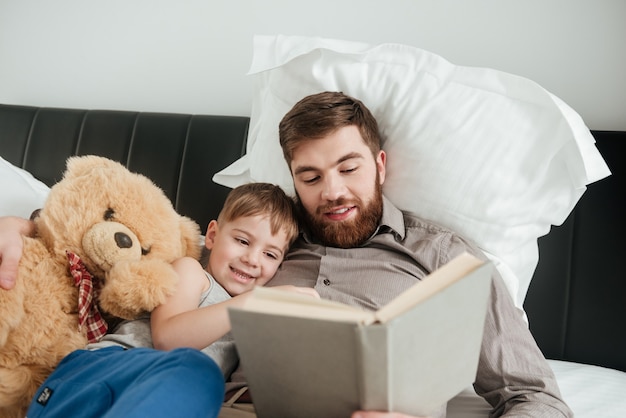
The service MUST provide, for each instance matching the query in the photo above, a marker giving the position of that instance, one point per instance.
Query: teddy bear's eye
(109, 214)
(145, 251)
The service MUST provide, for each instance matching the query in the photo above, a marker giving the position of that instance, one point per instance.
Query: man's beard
(346, 234)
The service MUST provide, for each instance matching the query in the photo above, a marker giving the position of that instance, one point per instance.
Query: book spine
(374, 379)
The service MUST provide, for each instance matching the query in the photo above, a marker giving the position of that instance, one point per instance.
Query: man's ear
(211, 232)
(381, 161)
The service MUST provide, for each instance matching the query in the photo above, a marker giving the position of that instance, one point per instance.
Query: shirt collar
(391, 221)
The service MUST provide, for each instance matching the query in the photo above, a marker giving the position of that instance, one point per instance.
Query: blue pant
(140, 382)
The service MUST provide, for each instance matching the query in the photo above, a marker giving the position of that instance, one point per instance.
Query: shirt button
(327, 282)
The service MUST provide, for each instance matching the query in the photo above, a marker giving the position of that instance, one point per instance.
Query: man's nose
(333, 188)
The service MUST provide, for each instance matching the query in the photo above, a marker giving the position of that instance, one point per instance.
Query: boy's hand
(304, 290)
(11, 246)
(374, 414)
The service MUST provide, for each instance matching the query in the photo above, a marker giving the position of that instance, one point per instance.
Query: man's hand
(11, 247)
(374, 414)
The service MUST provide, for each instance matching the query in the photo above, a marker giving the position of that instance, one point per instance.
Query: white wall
(192, 55)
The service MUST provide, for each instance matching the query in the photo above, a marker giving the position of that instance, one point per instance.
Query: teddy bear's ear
(190, 235)
(80, 165)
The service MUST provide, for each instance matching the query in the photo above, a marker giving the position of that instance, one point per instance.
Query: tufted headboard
(576, 301)
(180, 153)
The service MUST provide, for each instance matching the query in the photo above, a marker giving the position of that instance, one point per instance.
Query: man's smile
(340, 214)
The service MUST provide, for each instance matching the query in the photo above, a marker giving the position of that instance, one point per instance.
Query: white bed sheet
(590, 391)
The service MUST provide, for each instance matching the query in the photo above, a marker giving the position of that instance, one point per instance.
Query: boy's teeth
(242, 274)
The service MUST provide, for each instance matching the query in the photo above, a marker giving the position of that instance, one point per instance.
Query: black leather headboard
(179, 152)
(576, 301)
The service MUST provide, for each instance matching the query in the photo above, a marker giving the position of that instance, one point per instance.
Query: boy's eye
(241, 241)
(272, 255)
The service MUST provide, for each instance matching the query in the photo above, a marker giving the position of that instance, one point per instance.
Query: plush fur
(96, 199)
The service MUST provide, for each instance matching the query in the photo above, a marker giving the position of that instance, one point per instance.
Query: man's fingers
(8, 267)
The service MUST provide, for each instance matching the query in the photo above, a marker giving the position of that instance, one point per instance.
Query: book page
(282, 302)
(441, 278)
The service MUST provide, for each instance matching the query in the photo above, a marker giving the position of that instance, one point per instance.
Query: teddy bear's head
(124, 229)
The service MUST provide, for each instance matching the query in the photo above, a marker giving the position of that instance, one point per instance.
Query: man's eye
(349, 170)
(310, 180)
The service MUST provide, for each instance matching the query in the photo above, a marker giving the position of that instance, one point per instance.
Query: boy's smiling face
(244, 252)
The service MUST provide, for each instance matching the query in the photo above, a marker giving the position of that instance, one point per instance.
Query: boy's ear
(211, 232)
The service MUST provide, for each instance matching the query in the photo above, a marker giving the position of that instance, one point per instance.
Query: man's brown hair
(321, 114)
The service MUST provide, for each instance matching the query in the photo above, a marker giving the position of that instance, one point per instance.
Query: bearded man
(356, 247)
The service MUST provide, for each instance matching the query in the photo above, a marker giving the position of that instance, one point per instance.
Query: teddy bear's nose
(122, 240)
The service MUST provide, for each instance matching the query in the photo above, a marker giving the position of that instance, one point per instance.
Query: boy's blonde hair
(262, 199)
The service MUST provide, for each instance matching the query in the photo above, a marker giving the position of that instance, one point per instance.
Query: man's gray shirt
(513, 376)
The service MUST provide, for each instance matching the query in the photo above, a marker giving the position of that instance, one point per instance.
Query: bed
(575, 303)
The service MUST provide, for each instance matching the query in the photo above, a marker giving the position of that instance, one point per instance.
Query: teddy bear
(104, 242)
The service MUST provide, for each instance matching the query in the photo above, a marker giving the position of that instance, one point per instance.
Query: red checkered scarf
(88, 290)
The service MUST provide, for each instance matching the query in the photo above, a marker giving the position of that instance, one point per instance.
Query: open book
(305, 357)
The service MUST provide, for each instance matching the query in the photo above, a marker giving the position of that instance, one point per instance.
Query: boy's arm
(179, 322)
(11, 245)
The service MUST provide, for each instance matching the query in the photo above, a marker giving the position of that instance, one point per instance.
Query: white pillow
(488, 154)
(20, 192)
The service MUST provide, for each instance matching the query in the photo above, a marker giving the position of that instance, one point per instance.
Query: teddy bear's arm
(135, 287)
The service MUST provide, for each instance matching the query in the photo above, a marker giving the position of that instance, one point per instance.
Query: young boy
(247, 244)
